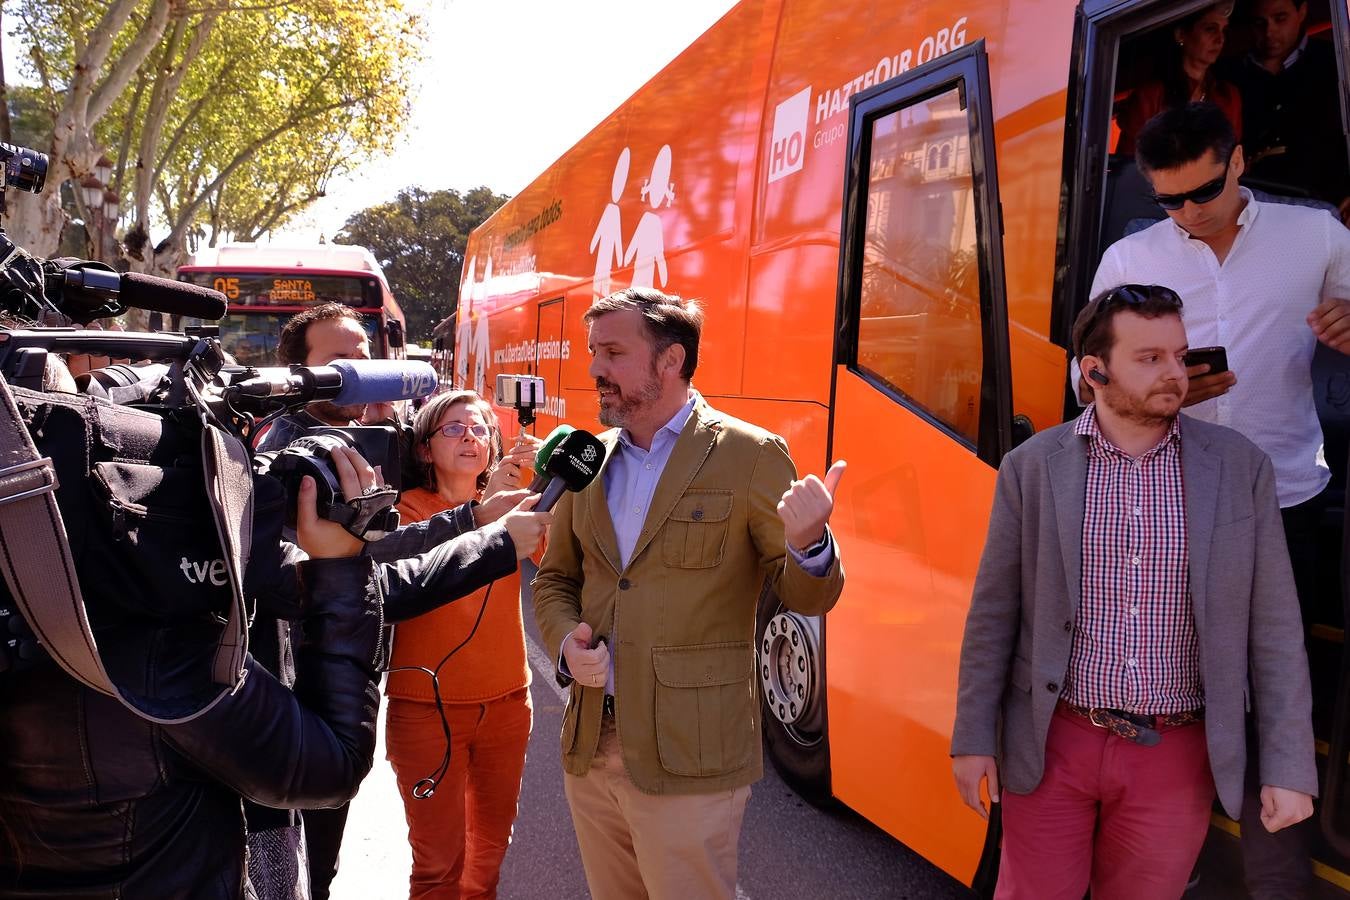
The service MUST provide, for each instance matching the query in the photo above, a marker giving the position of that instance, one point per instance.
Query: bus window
(919, 321)
(924, 255)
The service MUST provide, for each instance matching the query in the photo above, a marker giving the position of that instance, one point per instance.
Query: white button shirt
(1285, 261)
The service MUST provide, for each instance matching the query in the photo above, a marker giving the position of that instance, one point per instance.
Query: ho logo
(788, 150)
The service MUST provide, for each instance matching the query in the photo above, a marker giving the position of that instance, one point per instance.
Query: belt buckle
(1092, 716)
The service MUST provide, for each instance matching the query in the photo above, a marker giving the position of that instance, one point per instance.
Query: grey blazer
(1018, 633)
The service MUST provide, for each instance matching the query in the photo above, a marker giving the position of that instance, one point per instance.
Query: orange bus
(892, 215)
(266, 284)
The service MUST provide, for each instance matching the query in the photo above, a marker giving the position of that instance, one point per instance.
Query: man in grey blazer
(1134, 600)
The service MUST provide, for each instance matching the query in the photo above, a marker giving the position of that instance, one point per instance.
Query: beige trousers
(665, 847)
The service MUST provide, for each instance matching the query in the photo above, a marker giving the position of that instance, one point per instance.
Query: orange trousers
(459, 835)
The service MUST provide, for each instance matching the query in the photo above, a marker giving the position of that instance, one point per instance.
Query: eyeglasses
(1203, 194)
(457, 429)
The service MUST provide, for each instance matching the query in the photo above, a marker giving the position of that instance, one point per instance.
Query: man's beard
(1135, 409)
(630, 404)
(331, 412)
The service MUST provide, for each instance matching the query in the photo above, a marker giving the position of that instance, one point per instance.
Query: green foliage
(419, 239)
(29, 120)
(244, 109)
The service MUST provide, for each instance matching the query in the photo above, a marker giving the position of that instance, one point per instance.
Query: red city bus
(266, 284)
(892, 214)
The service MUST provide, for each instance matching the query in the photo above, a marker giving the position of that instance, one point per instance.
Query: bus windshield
(265, 286)
(289, 288)
(252, 339)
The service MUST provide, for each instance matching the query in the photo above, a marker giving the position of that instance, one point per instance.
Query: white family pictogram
(646, 249)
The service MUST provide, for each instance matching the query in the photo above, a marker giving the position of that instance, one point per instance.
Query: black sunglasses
(1203, 194)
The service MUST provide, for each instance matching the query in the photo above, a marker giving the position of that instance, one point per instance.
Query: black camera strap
(40, 571)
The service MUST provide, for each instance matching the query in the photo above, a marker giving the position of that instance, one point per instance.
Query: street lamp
(112, 206)
(103, 168)
(91, 189)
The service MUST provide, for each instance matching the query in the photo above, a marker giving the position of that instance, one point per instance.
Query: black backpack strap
(41, 574)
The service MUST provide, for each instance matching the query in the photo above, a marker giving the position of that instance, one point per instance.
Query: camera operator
(96, 802)
(317, 337)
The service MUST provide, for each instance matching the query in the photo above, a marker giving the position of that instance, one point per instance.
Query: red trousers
(459, 834)
(1126, 819)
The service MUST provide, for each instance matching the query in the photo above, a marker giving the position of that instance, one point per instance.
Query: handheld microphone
(541, 477)
(573, 465)
(346, 382)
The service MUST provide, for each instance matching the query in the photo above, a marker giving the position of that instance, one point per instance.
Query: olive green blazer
(682, 612)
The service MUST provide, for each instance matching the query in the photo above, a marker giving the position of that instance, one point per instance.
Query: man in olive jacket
(664, 558)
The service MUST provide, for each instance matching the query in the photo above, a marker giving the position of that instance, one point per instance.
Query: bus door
(922, 412)
(548, 363)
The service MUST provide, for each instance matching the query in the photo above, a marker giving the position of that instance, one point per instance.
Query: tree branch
(282, 211)
(245, 154)
(89, 62)
(130, 61)
(128, 126)
(197, 106)
(40, 63)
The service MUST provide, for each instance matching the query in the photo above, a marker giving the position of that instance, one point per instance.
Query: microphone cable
(426, 787)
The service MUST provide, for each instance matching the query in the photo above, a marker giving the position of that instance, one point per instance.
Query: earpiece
(1098, 376)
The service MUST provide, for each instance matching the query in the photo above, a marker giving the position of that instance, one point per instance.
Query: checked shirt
(1134, 642)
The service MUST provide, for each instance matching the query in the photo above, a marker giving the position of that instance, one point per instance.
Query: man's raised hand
(805, 508)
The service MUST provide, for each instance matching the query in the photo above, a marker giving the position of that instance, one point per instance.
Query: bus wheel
(791, 667)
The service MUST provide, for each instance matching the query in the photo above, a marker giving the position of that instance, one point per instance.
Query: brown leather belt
(1134, 727)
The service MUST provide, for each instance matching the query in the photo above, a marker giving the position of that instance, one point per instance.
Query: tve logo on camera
(788, 149)
(212, 570)
(416, 384)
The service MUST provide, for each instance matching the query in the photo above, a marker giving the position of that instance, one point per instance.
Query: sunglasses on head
(1124, 297)
(1136, 294)
(1203, 194)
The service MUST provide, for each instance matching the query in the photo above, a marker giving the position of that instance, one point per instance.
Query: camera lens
(24, 169)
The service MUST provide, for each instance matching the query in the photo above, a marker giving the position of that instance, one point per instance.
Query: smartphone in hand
(1217, 357)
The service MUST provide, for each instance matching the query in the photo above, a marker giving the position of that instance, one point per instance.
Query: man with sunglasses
(1132, 586)
(1266, 281)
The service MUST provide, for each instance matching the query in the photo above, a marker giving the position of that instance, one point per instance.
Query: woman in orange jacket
(459, 833)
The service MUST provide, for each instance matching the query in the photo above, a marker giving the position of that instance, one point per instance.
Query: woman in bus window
(1188, 74)
(460, 833)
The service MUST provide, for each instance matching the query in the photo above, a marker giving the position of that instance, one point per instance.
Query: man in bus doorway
(1266, 281)
(663, 559)
(1291, 114)
(1133, 584)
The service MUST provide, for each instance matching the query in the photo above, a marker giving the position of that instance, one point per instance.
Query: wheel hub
(788, 675)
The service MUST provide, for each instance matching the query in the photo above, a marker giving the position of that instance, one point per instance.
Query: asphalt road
(788, 848)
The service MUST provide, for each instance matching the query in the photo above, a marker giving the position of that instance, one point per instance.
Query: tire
(790, 671)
